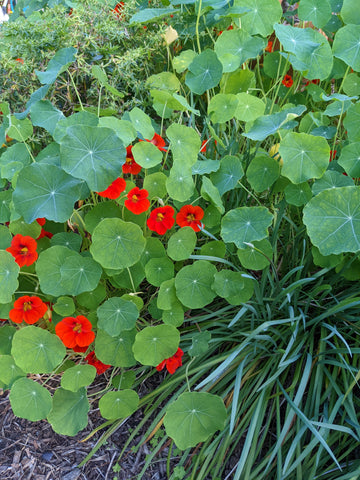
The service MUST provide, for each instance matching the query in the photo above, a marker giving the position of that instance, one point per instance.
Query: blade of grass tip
(237, 317)
(237, 386)
(149, 458)
(335, 331)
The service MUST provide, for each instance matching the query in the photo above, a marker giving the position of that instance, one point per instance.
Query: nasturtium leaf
(210, 193)
(175, 316)
(50, 155)
(69, 411)
(164, 81)
(117, 244)
(142, 123)
(261, 16)
(184, 143)
(9, 371)
(146, 154)
(116, 351)
(9, 170)
(45, 191)
(212, 217)
(304, 156)
(238, 81)
(79, 118)
(202, 167)
(16, 153)
(245, 224)
(116, 315)
(332, 219)
(60, 61)
(30, 229)
(77, 377)
(346, 46)
(249, 107)
(331, 179)
(30, 400)
(155, 184)
(350, 159)
(151, 14)
(48, 269)
(20, 130)
(232, 286)
(5, 199)
(157, 270)
(64, 306)
(180, 185)
(204, 72)
(351, 85)
(94, 154)
(45, 115)
(9, 271)
(124, 380)
(5, 236)
(153, 249)
(99, 212)
(6, 335)
(184, 103)
(79, 274)
(167, 298)
(272, 64)
(256, 256)
(119, 404)
(181, 244)
(262, 172)
(135, 299)
(193, 417)
(193, 284)
(155, 344)
(129, 278)
(328, 261)
(298, 194)
(39, 94)
(352, 122)
(70, 240)
(349, 12)
(318, 12)
(222, 107)
(92, 299)
(36, 350)
(214, 248)
(124, 129)
(182, 61)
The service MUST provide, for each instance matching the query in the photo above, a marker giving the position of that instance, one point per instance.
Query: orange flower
(161, 219)
(287, 81)
(23, 249)
(92, 359)
(29, 309)
(114, 189)
(172, 363)
(190, 216)
(130, 166)
(269, 46)
(137, 201)
(75, 332)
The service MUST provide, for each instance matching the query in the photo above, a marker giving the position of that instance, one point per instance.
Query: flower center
(190, 217)
(134, 198)
(77, 328)
(27, 306)
(129, 160)
(24, 251)
(159, 217)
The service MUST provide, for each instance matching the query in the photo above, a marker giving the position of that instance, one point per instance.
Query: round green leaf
(232, 286)
(20, 130)
(193, 284)
(91, 300)
(155, 184)
(185, 144)
(5, 199)
(99, 212)
(31, 229)
(351, 85)
(69, 411)
(210, 193)
(45, 115)
(64, 306)
(79, 118)
(316, 11)
(249, 107)
(155, 344)
(204, 72)
(77, 377)
(349, 11)
(222, 107)
(9, 271)
(6, 335)
(9, 371)
(331, 179)
(245, 224)
(157, 270)
(332, 219)
(30, 400)
(180, 185)
(175, 316)
(352, 122)
(116, 315)
(48, 269)
(182, 61)
(117, 244)
(79, 274)
(193, 417)
(146, 154)
(129, 278)
(36, 350)
(298, 194)
(350, 159)
(123, 128)
(304, 156)
(121, 404)
(67, 239)
(142, 123)
(116, 351)
(214, 248)
(181, 244)
(94, 154)
(346, 46)
(228, 175)
(257, 256)
(167, 298)
(261, 16)
(262, 172)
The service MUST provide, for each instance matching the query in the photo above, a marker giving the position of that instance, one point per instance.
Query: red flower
(118, 10)
(161, 219)
(204, 145)
(332, 155)
(287, 81)
(20, 60)
(44, 233)
(269, 46)
(137, 201)
(190, 216)
(75, 332)
(172, 363)
(130, 166)
(41, 221)
(23, 249)
(114, 189)
(92, 359)
(158, 141)
(29, 309)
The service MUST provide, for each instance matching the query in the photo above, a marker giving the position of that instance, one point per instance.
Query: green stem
(197, 26)
(76, 90)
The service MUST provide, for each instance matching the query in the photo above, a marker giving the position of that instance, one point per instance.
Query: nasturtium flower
(92, 359)
(20, 60)
(114, 189)
(269, 46)
(75, 331)
(137, 201)
(190, 216)
(130, 166)
(41, 221)
(287, 81)
(158, 141)
(43, 233)
(161, 219)
(28, 309)
(23, 249)
(172, 363)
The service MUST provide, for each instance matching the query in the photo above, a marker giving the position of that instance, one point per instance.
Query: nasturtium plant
(193, 284)
(30, 400)
(153, 344)
(116, 315)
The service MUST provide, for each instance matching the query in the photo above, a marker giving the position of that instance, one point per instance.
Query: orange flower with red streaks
(114, 189)
(172, 363)
(130, 166)
(75, 331)
(161, 219)
(23, 249)
(137, 201)
(190, 216)
(28, 309)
